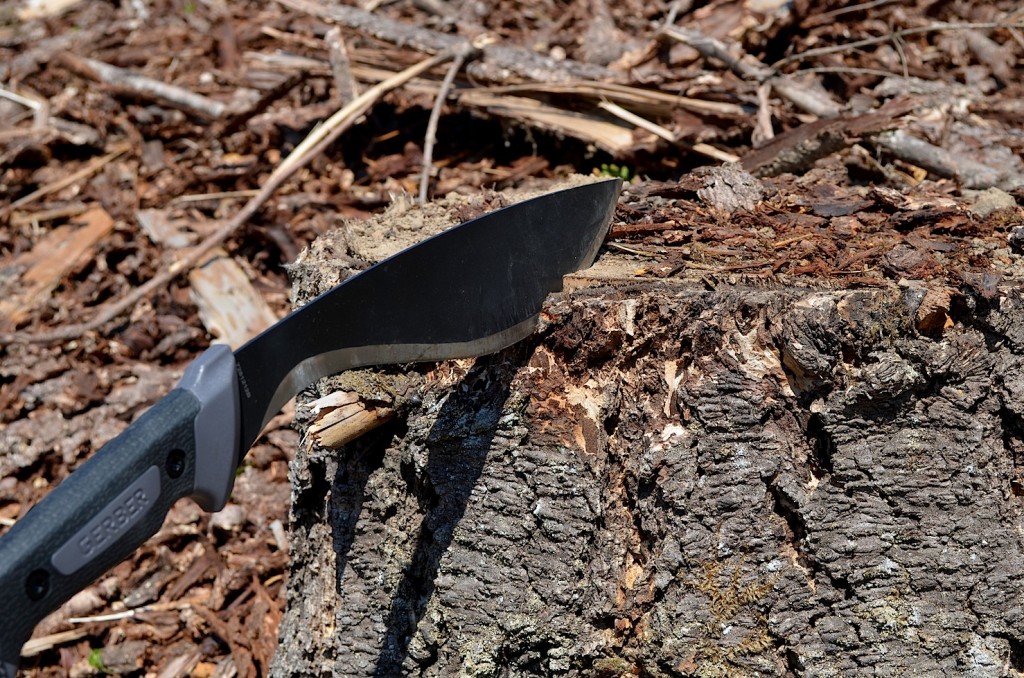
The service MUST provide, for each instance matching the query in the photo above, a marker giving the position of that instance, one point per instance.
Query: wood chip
(58, 253)
(229, 306)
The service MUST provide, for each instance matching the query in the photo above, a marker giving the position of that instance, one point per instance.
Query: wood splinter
(365, 401)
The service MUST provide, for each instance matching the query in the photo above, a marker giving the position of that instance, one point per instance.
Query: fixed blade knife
(468, 291)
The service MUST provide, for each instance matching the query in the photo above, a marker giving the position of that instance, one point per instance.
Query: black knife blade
(471, 290)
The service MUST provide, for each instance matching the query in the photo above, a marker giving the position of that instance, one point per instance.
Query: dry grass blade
(623, 94)
(659, 131)
(88, 170)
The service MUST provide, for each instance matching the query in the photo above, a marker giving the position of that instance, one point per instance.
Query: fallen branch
(148, 88)
(498, 62)
(317, 140)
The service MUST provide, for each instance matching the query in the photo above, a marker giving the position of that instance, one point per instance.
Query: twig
(853, 70)
(862, 7)
(751, 68)
(745, 66)
(659, 131)
(632, 250)
(678, 7)
(497, 63)
(317, 140)
(970, 173)
(295, 38)
(203, 197)
(866, 42)
(36, 218)
(133, 612)
(341, 66)
(623, 94)
(91, 168)
(173, 95)
(18, 99)
(812, 100)
(435, 116)
(763, 129)
(634, 119)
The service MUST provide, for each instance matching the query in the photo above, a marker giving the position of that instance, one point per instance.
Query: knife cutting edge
(471, 290)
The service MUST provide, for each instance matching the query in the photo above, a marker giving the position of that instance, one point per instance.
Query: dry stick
(175, 96)
(678, 7)
(317, 140)
(341, 66)
(750, 68)
(862, 7)
(435, 116)
(763, 129)
(623, 94)
(91, 168)
(18, 99)
(853, 70)
(970, 173)
(499, 62)
(933, 28)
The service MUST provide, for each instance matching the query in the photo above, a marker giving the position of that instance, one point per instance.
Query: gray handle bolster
(212, 380)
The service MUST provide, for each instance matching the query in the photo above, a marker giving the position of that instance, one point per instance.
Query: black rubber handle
(94, 519)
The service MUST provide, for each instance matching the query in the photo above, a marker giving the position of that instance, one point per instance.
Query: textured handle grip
(94, 519)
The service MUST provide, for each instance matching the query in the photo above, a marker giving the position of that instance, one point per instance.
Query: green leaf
(96, 661)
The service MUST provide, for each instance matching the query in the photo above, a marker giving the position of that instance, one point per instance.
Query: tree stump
(713, 474)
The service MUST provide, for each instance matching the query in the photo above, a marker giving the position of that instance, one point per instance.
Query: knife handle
(119, 498)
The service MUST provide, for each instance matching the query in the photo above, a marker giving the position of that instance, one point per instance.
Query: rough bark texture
(683, 478)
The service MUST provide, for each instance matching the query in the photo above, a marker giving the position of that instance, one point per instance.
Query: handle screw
(37, 584)
(175, 463)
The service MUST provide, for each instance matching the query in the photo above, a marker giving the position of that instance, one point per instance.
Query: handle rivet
(37, 584)
(175, 463)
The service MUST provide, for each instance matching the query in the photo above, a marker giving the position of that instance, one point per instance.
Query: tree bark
(681, 478)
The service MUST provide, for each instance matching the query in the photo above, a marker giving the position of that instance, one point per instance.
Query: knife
(471, 290)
